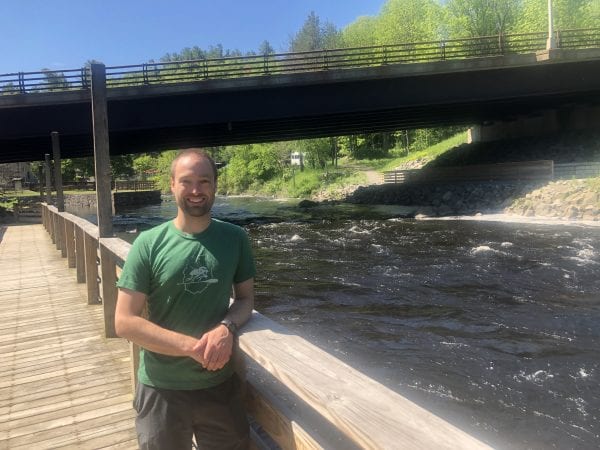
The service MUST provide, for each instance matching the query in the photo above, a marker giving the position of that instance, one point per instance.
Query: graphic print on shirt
(197, 274)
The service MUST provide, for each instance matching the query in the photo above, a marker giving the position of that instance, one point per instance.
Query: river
(491, 325)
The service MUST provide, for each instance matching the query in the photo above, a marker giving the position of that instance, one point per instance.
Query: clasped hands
(214, 348)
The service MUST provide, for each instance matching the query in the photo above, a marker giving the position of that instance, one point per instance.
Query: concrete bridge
(301, 96)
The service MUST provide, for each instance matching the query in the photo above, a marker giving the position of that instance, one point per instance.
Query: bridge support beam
(103, 192)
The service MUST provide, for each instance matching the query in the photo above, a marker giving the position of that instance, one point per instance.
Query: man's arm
(130, 324)
(215, 346)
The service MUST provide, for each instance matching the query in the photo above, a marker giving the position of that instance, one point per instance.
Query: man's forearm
(155, 338)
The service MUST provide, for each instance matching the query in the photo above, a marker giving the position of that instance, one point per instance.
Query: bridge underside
(154, 118)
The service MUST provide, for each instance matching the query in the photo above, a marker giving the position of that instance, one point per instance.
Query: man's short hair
(198, 152)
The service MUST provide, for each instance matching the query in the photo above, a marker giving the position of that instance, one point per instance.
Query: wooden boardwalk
(62, 383)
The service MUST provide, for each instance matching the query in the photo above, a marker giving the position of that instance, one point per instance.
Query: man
(184, 271)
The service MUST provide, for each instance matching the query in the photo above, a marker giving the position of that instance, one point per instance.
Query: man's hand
(214, 348)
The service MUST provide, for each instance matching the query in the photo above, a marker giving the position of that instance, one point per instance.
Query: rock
(307, 204)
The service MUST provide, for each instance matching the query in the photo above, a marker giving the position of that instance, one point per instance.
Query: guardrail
(348, 409)
(522, 171)
(576, 170)
(290, 63)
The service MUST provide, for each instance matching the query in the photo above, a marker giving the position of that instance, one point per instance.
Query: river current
(491, 325)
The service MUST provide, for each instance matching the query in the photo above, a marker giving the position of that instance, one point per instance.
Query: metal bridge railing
(290, 63)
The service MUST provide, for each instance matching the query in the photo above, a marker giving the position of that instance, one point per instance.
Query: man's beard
(193, 210)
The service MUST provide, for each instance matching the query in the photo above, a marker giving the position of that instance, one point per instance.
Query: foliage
(77, 169)
(473, 18)
(403, 21)
(593, 183)
(250, 166)
(55, 80)
(567, 14)
(163, 168)
(315, 35)
(144, 165)
(121, 166)
(360, 33)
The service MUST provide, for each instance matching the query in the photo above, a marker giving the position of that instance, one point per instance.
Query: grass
(297, 184)
(593, 183)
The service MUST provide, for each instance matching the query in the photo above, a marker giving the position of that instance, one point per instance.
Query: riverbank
(557, 200)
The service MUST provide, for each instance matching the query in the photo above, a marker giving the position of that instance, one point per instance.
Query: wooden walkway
(62, 384)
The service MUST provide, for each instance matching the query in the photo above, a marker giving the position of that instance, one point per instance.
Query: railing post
(51, 219)
(59, 232)
(70, 242)
(385, 56)
(79, 254)
(91, 269)
(84, 78)
(108, 281)
(145, 73)
(22, 89)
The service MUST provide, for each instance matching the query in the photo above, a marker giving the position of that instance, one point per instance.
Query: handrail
(296, 62)
(348, 405)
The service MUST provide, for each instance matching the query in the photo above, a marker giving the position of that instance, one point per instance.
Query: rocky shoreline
(562, 199)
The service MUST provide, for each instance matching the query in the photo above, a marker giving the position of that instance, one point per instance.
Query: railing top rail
(164, 72)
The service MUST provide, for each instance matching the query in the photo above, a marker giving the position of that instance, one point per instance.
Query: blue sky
(61, 34)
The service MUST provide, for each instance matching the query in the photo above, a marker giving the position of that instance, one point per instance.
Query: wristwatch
(231, 326)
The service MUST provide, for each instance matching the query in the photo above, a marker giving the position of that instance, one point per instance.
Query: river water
(491, 325)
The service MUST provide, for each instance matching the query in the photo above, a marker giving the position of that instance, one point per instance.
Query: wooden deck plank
(62, 383)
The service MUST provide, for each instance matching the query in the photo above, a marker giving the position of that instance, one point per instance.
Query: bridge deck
(62, 384)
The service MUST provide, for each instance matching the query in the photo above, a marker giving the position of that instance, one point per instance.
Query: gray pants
(216, 417)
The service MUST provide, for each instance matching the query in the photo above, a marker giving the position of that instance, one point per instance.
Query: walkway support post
(60, 199)
(103, 193)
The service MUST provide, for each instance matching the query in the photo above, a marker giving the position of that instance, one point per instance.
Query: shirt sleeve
(136, 270)
(246, 268)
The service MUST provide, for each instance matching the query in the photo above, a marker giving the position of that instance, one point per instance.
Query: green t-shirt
(188, 280)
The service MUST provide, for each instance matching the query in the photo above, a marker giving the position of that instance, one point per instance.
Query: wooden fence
(512, 171)
(344, 401)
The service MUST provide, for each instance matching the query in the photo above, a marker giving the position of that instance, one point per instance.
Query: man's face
(193, 185)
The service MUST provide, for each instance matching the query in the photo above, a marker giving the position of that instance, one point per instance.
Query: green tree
(77, 169)
(566, 14)
(360, 33)
(163, 167)
(145, 166)
(55, 80)
(474, 18)
(405, 21)
(121, 166)
(265, 48)
(313, 35)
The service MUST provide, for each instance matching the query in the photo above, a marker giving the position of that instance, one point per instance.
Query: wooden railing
(521, 171)
(334, 405)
